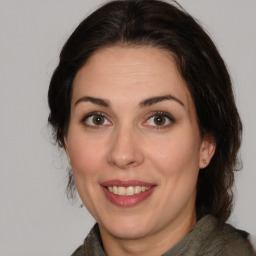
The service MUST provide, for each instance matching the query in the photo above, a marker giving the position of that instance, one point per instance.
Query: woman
(142, 103)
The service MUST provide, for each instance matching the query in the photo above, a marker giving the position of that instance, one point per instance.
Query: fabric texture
(208, 238)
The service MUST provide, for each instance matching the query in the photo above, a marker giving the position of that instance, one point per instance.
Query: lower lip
(127, 201)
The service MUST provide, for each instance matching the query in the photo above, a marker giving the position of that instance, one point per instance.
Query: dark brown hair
(162, 25)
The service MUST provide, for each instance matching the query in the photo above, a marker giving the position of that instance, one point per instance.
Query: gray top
(208, 238)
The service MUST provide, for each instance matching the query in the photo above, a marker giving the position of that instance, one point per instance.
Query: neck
(162, 240)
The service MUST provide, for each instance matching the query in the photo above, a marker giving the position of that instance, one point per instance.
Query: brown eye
(159, 120)
(98, 120)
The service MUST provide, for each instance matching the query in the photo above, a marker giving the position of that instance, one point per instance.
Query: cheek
(85, 153)
(86, 156)
(176, 154)
(176, 162)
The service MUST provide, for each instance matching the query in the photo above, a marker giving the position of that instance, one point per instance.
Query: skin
(130, 145)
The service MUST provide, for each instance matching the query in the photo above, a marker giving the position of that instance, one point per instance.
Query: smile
(127, 191)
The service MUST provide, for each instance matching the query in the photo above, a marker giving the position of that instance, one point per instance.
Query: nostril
(124, 153)
(131, 163)
(123, 165)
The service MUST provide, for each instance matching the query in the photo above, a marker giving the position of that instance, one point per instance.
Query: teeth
(128, 191)
(137, 190)
(121, 191)
(115, 190)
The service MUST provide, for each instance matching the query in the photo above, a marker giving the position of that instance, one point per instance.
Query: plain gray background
(35, 216)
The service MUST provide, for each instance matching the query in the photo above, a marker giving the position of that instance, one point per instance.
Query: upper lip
(126, 183)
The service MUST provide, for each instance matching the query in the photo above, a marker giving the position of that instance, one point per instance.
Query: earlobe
(207, 151)
(66, 149)
(65, 143)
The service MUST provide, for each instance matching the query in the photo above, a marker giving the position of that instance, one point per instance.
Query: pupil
(159, 120)
(98, 120)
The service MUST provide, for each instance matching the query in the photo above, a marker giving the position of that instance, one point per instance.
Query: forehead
(121, 72)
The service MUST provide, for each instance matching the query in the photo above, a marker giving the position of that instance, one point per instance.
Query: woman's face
(134, 142)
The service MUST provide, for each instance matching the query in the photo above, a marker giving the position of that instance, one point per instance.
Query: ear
(65, 143)
(207, 151)
(66, 148)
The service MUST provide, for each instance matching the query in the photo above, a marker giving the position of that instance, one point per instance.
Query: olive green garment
(208, 238)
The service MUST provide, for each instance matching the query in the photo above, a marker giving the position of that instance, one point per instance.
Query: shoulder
(92, 244)
(226, 240)
(79, 251)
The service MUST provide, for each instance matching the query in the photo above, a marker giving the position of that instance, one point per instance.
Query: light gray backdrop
(35, 217)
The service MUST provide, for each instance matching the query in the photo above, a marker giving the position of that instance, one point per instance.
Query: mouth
(127, 193)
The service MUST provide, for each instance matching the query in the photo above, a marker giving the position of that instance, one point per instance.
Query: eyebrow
(147, 102)
(97, 101)
(153, 100)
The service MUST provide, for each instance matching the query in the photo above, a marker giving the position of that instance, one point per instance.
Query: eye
(159, 120)
(95, 119)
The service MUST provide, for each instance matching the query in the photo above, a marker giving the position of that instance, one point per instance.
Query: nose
(125, 150)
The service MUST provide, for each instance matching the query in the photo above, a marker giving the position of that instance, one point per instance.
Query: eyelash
(99, 114)
(162, 114)
(151, 115)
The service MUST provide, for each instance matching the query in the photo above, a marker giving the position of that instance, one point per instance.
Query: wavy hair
(166, 26)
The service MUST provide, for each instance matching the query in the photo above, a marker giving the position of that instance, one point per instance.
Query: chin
(129, 233)
(128, 229)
